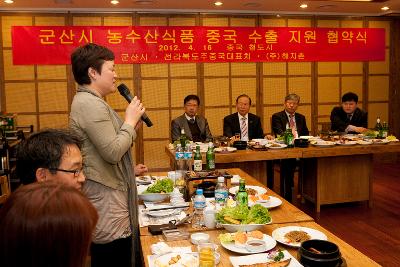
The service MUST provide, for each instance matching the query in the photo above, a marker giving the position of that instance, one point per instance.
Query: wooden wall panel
(274, 68)
(243, 22)
(302, 87)
(216, 69)
(184, 69)
(328, 23)
(378, 88)
(215, 117)
(273, 22)
(214, 21)
(180, 88)
(216, 92)
(274, 90)
(187, 21)
(244, 86)
(16, 72)
(86, 21)
(380, 67)
(161, 123)
(152, 21)
(53, 121)
(51, 72)
(50, 21)
(28, 120)
(353, 84)
(20, 97)
(328, 68)
(328, 89)
(243, 69)
(268, 112)
(52, 96)
(118, 21)
(299, 68)
(154, 70)
(155, 93)
(352, 67)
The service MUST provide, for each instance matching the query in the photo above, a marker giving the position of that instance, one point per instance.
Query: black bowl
(208, 188)
(240, 145)
(300, 142)
(328, 256)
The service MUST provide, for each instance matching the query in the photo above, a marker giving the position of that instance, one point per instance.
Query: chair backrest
(5, 188)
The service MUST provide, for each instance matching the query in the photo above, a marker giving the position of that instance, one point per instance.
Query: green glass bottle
(210, 156)
(289, 138)
(182, 138)
(197, 161)
(385, 130)
(242, 197)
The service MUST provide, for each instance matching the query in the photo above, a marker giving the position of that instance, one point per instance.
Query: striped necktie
(243, 127)
(292, 126)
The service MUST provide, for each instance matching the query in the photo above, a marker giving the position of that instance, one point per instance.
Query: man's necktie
(349, 117)
(191, 121)
(292, 126)
(243, 127)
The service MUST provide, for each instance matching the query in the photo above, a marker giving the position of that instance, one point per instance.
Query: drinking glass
(206, 254)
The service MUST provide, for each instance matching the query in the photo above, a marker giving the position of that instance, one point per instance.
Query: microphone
(124, 91)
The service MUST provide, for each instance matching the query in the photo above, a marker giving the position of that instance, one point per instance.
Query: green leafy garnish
(225, 238)
(257, 214)
(161, 186)
(279, 256)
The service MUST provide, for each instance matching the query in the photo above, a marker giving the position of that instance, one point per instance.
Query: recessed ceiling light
(385, 8)
(114, 2)
(303, 5)
(8, 1)
(218, 3)
(278, 16)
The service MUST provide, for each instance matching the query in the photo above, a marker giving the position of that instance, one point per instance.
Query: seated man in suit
(289, 117)
(297, 122)
(195, 126)
(349, 118)
(242, 122)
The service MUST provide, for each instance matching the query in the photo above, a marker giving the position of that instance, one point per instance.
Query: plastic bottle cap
(221, 179)
(199, 191)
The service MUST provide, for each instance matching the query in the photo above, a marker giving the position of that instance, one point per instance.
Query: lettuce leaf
(161, 186)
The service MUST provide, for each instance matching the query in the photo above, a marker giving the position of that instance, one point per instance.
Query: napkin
(162, 248)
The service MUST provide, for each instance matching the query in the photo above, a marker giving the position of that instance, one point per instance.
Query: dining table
(330, 175)
(283, 215)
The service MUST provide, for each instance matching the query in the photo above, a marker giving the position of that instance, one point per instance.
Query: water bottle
(188, 157)
(180, 160)
(199, 206)
(221, 193)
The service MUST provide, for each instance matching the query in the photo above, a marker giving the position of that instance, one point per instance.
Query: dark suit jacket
(280, 119)
(232, 126)
(181, 122)
(339, 120)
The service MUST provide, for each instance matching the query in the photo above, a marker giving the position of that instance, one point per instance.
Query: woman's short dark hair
(46, 225)
(350, 96)
(43, 149)
(89, 56)
(191, 97)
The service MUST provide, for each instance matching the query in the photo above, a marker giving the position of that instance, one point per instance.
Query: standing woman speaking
(108, 165)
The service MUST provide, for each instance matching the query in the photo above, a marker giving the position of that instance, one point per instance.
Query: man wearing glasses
(51, 155)
(195, 126)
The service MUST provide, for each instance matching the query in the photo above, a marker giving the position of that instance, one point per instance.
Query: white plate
(260, 190)
(380, 141)
(270, 243)
(323, 143)
(161, 213)
(191, 259)
(243, 227)
(225, 149)
(347, 143)
(143, 180)
(273, 202)
(364, 142)
(261, 258)
(279, 234)
(306, 137)
(275, 147)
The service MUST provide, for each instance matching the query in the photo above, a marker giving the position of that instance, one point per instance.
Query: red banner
(142, 44)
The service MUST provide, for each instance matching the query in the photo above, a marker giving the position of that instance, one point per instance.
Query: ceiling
(281, 7)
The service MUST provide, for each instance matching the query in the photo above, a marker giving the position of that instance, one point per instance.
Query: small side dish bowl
(196, 238)
(255, 245)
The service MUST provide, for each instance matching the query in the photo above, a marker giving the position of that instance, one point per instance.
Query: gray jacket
(181, 122)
